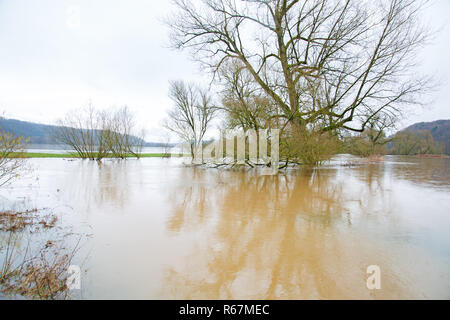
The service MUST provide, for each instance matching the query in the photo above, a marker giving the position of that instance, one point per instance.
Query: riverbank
(433, 156)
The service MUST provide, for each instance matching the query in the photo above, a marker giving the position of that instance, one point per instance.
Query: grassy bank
(75, 156)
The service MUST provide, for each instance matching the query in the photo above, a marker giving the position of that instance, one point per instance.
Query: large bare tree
(335, 63)
(191, 114)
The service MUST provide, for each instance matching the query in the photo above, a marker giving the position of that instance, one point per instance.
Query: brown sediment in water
(163, 230)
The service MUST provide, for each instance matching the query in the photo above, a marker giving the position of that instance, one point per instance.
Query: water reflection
(162, 230)
(99, 184)
(422, 171)
(290, 236)
(267, 236)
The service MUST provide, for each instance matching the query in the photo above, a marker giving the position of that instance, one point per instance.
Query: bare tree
(336, 63)
(118, 129)
(166, 145)
(81, 130)
(245, 105)
(191, 115)
(97, 134)
(12, 160)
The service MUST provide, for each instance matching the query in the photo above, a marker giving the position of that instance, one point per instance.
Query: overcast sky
(56, 55)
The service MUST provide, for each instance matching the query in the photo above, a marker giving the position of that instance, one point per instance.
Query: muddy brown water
(159, 230)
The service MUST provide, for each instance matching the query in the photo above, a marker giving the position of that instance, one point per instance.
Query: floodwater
(57, 149)
(159, 230)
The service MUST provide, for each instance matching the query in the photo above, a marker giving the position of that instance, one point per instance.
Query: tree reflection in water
(267, 237)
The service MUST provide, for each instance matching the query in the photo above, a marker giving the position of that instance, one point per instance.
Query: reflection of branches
(102, 182)
(424, 171)
(193, 202)
(113, 181)
(264, 228)
(373, 175)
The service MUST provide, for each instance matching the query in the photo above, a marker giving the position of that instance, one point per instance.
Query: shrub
(307, 146)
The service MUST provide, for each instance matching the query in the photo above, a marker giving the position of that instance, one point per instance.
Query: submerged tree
(191, 114)
(335, 64)
(117, 133)
(81, 130)
(94, 134)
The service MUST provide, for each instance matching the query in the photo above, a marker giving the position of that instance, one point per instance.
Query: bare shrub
(12, 157)
(117, 132)
(307, 146)
(42, 275)
(81, 130)
(97, 134)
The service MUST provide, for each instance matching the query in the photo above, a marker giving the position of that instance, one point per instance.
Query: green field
(75, 156)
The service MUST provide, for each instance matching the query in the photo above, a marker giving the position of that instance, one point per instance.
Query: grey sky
(116, 53)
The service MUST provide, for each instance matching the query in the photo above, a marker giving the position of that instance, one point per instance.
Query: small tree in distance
(94, 134)
(191, 114)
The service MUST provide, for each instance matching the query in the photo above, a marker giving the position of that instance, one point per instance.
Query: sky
(57, 55)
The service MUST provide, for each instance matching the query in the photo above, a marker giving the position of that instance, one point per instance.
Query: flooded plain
(155, 229)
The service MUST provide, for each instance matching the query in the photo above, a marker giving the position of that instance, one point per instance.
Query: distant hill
(440, 130)
(39, 133)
